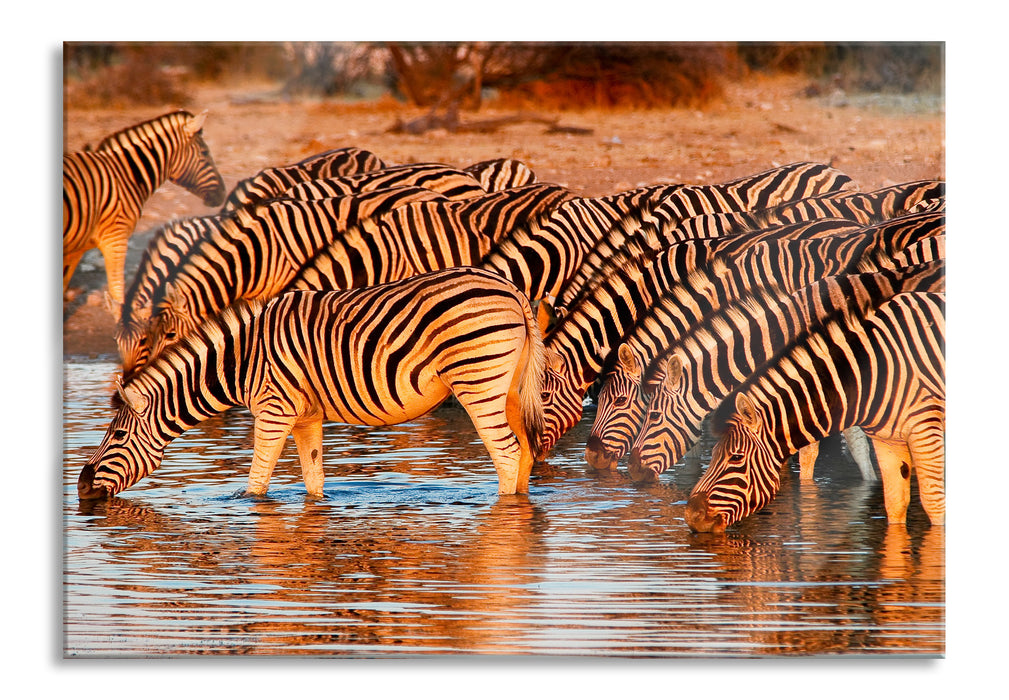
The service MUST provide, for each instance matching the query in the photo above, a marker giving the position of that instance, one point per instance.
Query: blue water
(412, 551)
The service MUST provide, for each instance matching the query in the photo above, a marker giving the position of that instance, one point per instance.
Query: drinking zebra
(375, 356)
(884, 372)
(104, 190)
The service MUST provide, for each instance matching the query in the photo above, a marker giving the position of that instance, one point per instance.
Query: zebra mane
(111, 140)
(221, 323)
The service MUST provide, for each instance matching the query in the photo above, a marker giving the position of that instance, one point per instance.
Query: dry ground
(762, 123)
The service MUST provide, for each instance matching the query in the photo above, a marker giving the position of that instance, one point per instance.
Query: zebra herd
(777, 309)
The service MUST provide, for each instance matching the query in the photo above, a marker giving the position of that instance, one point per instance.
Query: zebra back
(541, 256)
(501, 174)
(720, 204)
(424, 237)
(450, 182)
(272, 182)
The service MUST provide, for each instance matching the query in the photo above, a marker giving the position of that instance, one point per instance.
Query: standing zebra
(376, 356)
(271, 182)
(692, 375)
(884, 372)
(104, 190)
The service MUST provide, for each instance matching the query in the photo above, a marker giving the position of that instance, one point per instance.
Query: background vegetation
(468, 75)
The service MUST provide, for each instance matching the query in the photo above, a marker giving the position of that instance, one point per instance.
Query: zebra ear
(194, 124)
(131, 397)
(555, 363)
(627, 360)
(747, 411)
(674, 370)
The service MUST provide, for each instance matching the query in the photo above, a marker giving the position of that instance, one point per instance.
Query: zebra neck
(141, 164)
(202, 376)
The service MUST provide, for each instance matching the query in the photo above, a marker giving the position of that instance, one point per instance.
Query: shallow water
(412, 551)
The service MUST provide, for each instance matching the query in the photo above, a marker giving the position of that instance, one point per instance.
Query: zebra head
(192, 166)
(660, 442)
(620, 407)
(744, 474)
(171, 321)
(128, 453)
(562, 403)
(131, 341)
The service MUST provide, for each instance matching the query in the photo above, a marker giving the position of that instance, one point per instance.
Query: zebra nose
(598, 457)
(86, 490)
(637, 471)
(697, 516)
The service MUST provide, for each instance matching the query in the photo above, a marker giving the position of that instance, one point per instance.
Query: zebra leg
(308, 438)
(69, 265)
(269, 435)
(860, 451)
(113, 247)
(928, 454)
(497, 417)
(895, 468)
(807, 460)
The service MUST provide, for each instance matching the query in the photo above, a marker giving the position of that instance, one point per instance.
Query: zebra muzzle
(86, 489)
(699, 518)
(598, 457)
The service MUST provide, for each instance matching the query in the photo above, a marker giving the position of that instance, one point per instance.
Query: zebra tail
(531, 383)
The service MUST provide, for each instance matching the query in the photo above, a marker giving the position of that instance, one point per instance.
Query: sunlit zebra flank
(105, 190)
(375, 356)
(884, 372)
(271, 182)
(693, 374)
(244, 254)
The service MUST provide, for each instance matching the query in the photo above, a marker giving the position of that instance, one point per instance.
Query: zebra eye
(655, 416)
(170, 335)
(620, 401)
(545, 395)
(119, 434)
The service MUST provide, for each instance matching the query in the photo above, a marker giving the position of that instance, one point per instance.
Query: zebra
(673, 221)
(695, 281)
(271, 182)
(501, 174)
(884, 372)
(334, 244)
(377, 356)
(104, 190)
(689, 377)
(448, 181)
